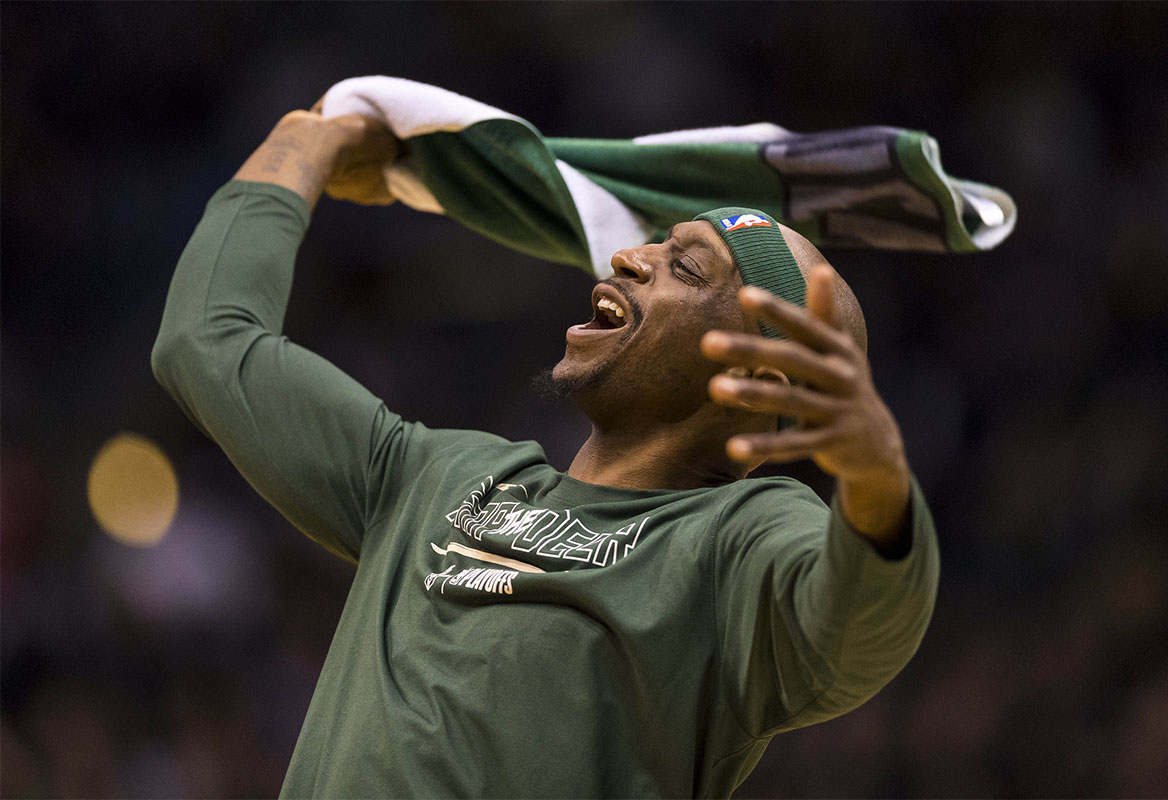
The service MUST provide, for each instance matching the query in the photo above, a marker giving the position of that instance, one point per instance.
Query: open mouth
(611, 312)
(607, 314)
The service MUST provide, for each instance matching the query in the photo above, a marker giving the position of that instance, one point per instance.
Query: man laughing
(641, 625)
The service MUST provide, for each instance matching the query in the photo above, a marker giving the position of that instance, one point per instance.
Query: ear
(761, 373)
(771, 374)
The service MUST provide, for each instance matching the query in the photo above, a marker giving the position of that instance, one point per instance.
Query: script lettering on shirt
(483, 579)
(546, 532)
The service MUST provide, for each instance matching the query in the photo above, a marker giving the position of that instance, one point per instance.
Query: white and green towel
(576, 201)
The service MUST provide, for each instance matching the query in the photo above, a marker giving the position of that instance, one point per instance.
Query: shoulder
(439, 439)
(470, 448)
(769, 507)
(772, 498)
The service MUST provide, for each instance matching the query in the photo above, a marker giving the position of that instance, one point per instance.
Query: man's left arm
(813, 625)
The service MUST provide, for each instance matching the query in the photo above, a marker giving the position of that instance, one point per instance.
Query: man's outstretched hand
(343, 156)
(843, 425)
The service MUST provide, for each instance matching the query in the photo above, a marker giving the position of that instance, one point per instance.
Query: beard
(555, 389)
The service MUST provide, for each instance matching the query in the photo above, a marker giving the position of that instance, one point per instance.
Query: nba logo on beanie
(743, 221)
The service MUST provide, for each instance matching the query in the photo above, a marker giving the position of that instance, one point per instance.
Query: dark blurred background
(1031, 382)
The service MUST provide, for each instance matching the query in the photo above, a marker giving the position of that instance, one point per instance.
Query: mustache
(623, 285)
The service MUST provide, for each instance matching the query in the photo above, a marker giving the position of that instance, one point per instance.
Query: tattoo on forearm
(279, 152)
(274, 159)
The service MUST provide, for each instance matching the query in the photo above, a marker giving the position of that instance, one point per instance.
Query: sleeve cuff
(286, 197)
(849, 546)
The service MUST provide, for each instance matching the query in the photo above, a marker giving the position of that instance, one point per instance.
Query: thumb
(821, 294)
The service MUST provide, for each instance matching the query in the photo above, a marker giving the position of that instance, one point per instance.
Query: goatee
(555, 389)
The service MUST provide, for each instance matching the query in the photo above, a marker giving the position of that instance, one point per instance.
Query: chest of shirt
(630, 563)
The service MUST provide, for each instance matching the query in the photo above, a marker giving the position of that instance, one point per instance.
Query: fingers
(799, 324)
(832, 373)
(318, 105)
(369, 193)
(791, 444)
(364, 140)
(821, 294)
(773, 397)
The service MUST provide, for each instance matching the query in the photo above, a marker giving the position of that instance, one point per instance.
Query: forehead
(700, 238)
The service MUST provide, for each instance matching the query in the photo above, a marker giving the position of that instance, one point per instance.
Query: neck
(682, 455)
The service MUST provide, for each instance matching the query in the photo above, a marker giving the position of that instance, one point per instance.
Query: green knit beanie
(760, 253)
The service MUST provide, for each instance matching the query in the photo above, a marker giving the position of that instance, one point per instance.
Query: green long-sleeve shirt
(511, 631)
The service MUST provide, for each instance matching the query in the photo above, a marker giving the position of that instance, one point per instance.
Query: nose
(632, 263)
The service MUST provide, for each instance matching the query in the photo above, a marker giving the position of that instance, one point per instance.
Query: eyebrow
(695, 242)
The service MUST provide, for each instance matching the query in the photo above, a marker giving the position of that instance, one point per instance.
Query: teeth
(604, 302)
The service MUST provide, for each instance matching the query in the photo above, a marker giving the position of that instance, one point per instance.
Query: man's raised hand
(843, 425)
(308, 154)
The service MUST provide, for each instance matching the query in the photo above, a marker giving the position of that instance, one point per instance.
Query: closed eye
(686, 274)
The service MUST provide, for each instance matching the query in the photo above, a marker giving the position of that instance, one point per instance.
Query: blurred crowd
(1030, 382)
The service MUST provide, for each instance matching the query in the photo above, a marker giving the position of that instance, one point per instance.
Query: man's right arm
(309, 438)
